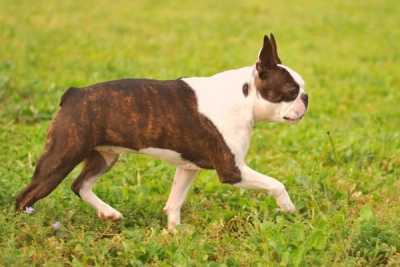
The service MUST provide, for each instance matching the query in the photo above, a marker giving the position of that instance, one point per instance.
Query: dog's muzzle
(304, 98)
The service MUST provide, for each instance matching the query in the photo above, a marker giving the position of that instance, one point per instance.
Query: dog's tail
(67, 94)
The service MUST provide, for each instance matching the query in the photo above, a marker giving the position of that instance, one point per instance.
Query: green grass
(346, 188)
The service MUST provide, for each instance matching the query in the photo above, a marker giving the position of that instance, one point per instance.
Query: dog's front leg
(182, 181)
(254, 180)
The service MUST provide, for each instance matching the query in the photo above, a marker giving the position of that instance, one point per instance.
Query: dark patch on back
(142, 113)
(66, 95)
(245, 89)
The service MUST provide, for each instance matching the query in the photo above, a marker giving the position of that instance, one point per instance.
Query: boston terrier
(191, 123)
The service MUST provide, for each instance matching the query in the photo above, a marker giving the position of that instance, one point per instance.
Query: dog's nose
(304, 97)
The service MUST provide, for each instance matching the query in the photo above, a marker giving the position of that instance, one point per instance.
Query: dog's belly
(169, 156)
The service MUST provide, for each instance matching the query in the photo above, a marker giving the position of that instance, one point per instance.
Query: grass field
(345, 184)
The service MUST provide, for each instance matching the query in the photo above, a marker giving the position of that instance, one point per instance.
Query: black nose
(304, 97)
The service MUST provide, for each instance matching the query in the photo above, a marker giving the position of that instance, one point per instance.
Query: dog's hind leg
(96, 164)
(55, 163)
(182, 181)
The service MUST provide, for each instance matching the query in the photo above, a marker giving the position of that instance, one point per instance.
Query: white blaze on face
(285, 111)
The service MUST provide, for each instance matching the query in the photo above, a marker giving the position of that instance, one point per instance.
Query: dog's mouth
(294, 120)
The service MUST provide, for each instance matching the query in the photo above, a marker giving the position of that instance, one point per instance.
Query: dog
(191, 123)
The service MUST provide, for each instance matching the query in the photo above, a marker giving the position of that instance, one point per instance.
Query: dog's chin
(292, 120)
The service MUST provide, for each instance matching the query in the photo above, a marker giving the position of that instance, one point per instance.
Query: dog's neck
(261, 111)
(227, 87)
(231, 84)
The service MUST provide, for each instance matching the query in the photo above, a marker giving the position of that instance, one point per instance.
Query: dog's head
(280, 95)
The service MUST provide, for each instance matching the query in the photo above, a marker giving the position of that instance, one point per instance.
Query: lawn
(340, 165)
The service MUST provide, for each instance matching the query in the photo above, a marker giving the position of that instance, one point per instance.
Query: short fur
(191, 123)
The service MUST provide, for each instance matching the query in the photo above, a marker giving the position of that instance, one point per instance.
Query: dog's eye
(293, 92)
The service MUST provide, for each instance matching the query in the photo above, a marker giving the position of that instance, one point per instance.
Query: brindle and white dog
(191, 123)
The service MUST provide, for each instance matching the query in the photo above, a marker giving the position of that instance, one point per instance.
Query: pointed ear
(275, 50)
(265, 58)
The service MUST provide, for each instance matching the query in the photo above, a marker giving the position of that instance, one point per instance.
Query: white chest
(220, 98)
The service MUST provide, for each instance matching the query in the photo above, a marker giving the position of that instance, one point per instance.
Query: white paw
(285, 204)
(172, 226)
(174, 218)
(110, 214)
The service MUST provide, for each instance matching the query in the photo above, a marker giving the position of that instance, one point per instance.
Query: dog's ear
(275, 50)
(266, 58)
